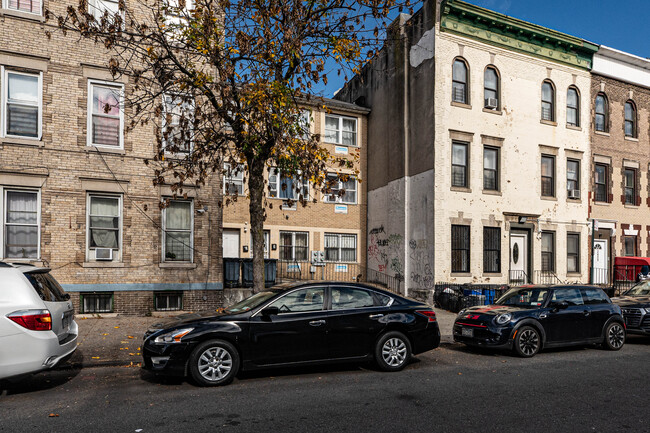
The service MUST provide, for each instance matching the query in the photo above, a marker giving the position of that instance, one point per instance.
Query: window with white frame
(341, 130)
(30, 6)
(340, 247)
(294, 246)
(97, 8)
(177, 124)
(104, 221)
(105, 114)
(349, 187)
(285, 187)
(23, 104)
(305, 124)
(178, 236)
(21, 224)
(233, 179)
(168, 301)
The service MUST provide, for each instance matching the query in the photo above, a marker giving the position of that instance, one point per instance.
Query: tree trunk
(256, 210)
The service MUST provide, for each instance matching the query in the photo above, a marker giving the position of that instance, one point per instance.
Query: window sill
(461, 274)
(574, 200)
(603, 133)
(171, 265)
(548, 198)
(106, 264)
(601, 203)
(104, 149)
(631, 206)
(353, 146)
(461, 189)
(575, 128)
(461, 105)
(23, 15)
(574, 274)
(548, 122)
(492, 274)
(22, 141)
(171, 155)
(636, 140)
(491, 111)
(492, 192)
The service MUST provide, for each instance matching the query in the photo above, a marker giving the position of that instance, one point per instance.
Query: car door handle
(543, 315)
(317, 322)
(586, 313)
(376, 316)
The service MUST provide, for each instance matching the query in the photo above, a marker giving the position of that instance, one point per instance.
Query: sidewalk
(116, 340)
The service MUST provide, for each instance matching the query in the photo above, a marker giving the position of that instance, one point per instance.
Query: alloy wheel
(394, 352)
(528, 342)
(616, 336)
(215, 363)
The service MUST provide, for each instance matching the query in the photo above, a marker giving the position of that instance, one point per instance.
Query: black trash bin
(270, 272)
(247, 272)
(231, 272)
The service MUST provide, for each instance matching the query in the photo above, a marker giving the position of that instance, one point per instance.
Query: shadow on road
(37, 382)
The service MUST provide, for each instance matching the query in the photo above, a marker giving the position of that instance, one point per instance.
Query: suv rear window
(47, 287)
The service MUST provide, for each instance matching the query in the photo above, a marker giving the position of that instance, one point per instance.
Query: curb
(82, 365)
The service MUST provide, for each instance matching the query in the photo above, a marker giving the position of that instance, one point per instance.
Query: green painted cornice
(503, 31)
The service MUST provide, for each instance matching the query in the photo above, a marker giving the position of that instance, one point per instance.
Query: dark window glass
(97, 303)
(492, 249)
(294, 246)
(548, 101)
(309, 299)
(459, 82)
(600, 181)
(630, 245)
(548, 176)
(602, 111)
(630, 119)
(629, 176)
(459, 248)
(347, 297)
(594, 296)
(459, 165)
(570, 296)
(491, 88)
(573, 107)
(548, 251)
(573, 178)
(573, 252)
(168, 301)
(491, 169)
(47, 287)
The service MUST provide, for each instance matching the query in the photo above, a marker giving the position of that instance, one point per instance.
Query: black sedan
(529, 318)
(635, 304)
(297, 324)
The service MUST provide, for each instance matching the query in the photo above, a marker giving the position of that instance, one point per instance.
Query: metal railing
(600, 277)
(518, 277)
(546, 277)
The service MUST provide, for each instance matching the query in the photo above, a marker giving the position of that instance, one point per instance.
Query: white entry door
(230, 242)
(518, 257)
(601, 262)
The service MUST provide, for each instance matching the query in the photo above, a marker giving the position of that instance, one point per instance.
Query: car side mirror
(270, 311)
(562, 305)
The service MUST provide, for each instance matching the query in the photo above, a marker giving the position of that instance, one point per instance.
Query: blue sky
(622, 24)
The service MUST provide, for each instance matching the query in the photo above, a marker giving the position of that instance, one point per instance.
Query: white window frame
(5, 5)
(5, 93)
(164, 233)
(293, 245)
(98, 12)
(234, 180)
(307, 121)
(116, 257)
(3, 192)
(339, 236)
(305, 185)
(89, 113)
(164, 124)
(340, 130)
(341, 199)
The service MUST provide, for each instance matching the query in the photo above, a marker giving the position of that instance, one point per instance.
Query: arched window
(630, 119)
(548, 101)
(573, 107)
(460, 82)
(601, 122)
(491, 88)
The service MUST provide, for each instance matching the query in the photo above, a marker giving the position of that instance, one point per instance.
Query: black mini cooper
(529, 318)
(635, 304)
(306, 323)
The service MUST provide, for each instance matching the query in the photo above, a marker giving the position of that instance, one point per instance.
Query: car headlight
(647, 310)
(502, 319)
(173, 336)
(461, 312)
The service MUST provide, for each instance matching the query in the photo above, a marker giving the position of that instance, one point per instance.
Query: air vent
(104, 254)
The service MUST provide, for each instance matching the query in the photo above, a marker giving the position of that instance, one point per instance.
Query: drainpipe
(591, 268)
(407, 201)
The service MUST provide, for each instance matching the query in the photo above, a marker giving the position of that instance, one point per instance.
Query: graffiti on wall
(385, 252)
(420, 259)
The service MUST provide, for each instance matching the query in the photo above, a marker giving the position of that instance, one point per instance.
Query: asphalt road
(450, 389)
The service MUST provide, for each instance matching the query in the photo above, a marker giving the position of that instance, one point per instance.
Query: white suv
(37, 327)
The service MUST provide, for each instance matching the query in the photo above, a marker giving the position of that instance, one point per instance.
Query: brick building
(335, 225)
(76, 195)
(620, 139)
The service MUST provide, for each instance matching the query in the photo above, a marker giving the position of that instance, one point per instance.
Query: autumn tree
(223, 82)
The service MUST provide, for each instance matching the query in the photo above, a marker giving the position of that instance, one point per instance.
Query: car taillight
(429, 314)
(34, 320)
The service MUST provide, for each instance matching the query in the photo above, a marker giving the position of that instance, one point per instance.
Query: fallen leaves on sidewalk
(116, 327)
(95, 357)
(130, 336)
(53, 415)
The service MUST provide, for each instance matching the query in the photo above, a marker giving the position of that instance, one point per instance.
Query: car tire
(392, 351)
(214, 363)
(614, 336)
(527, 342)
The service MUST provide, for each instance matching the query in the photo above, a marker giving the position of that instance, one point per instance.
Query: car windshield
(641, 289)
(251, 302)
(532, 297)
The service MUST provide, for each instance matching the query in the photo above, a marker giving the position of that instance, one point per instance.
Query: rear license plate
(67, 318)
(468, 332)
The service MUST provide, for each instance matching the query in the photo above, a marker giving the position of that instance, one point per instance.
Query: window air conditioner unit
(574, 193)
(491, 103)
(104, 254)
